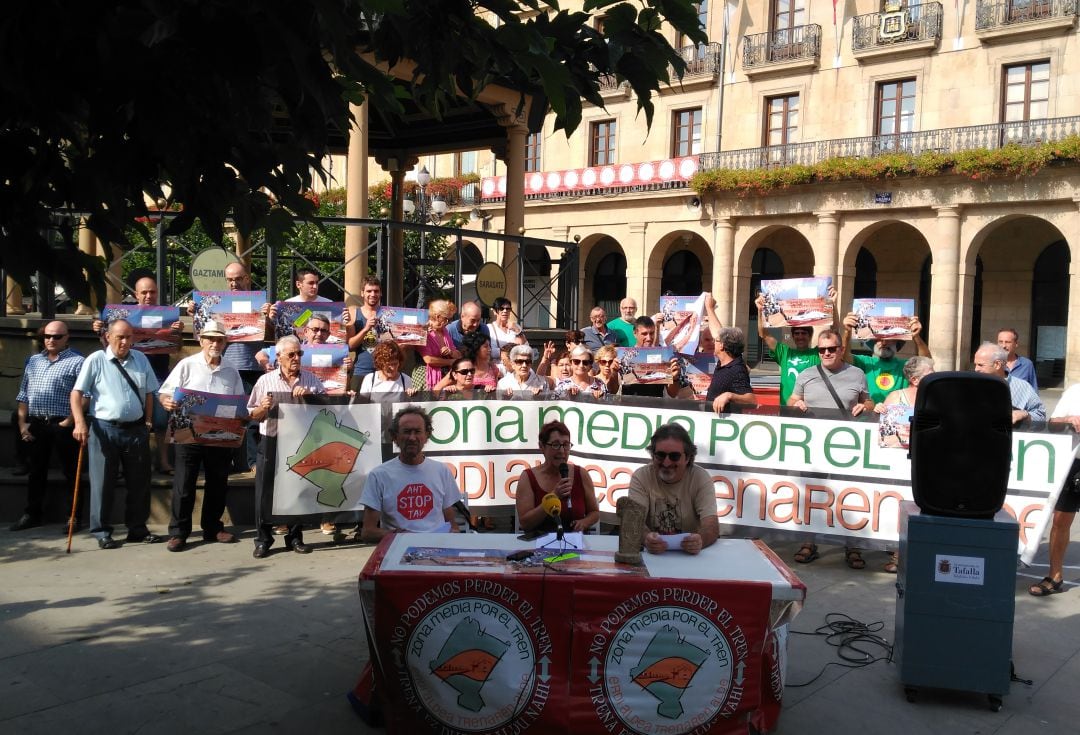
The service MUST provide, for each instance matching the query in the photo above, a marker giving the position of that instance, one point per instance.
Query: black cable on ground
(855, 643)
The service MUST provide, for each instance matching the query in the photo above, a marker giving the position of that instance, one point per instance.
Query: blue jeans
(110, 447)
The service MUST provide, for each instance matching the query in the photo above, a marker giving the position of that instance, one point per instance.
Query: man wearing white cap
(202, 372)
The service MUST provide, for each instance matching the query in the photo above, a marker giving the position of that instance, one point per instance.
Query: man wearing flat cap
(202, 372)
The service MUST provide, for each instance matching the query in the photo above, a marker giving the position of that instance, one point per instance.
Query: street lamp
(425, 211)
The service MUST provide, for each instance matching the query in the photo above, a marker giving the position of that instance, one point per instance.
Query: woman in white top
(581, 380)
(386, 384)
(502, 331)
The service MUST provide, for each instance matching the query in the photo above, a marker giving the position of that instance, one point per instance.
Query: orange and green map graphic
(327, 455)
(666, 669)
(466, 661)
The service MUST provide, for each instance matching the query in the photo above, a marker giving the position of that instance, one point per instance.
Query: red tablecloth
(464, 642)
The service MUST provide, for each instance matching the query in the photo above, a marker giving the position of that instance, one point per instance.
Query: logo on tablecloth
(475, 666)
(666, 669)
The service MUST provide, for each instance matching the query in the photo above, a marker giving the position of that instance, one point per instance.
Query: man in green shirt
(884, 370)
(623, 325)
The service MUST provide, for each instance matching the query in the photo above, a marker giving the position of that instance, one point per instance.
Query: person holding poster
(288, 378)
(146, 294)
(792, 359)
(409, 492)
(677, 495)
(204, 372)
(360, 326)
(731, 380)
(884, 370)
(569, 482)
(645, 336)
(440, 350)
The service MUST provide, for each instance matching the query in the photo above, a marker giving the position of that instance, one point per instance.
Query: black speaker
(961, 444)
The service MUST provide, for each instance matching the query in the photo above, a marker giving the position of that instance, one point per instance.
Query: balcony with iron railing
(790, 49)
(915, 29)
(704, 63)
(945, 140)
(1004, 20)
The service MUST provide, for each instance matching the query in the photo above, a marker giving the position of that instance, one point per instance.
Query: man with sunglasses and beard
(884, 370)
(677, 495)
(793, 358)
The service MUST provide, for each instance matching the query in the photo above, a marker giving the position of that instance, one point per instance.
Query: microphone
(553, 508)
(564, 472)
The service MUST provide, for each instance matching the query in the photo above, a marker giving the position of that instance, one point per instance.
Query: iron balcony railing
(922, 22)
(776, 47)
(990, 15)
(703, 59)
(945, 140)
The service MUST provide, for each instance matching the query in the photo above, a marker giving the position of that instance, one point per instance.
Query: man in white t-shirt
(409, 492)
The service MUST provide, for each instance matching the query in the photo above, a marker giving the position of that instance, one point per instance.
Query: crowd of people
(114, 399)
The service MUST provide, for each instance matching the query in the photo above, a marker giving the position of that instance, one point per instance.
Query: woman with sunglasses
(477, 348)
(460, 378)
(575, 490)
(581, 378)
(606, 367)
(501, 328)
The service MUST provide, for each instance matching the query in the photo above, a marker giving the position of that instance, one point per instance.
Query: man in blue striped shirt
(44, 415)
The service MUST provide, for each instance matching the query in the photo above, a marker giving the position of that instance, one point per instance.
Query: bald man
(623, 325)
(469, 321)
(44, 416)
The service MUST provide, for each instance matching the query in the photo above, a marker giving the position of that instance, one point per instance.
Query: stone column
(114, 277)
(827, 248)
(638, 277)
(1072, 344)
(516, 137)
(356, 205)
(723, 286)
(89, 246)
(944, 289)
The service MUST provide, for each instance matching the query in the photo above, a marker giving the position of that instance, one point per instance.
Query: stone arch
(663, 259)
(898, 252)
(603, 275)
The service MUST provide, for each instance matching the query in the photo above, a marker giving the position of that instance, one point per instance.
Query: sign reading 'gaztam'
(208, 269)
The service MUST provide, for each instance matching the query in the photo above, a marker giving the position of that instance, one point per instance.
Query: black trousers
(264, 495)
(214, 462)
(48, 436)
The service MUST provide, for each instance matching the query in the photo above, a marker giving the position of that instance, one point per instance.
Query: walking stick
(75, 497)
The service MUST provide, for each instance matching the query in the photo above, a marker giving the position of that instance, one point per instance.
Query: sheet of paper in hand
(883, 318)
(207, 418)
(239, 311)
(645, 365)
(894, 427)
(152, 326)
(797, 302)
(679, 322)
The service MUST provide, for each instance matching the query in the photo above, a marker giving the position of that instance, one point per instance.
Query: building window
(895, 111)
(703, 18)
(781, 125)
(1026, 92)
(686, 132)
(602, 143)
(788, 14)
(465, 163)
(532, 152)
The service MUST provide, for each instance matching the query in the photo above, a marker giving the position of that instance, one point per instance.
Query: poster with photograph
(152, 326)
(645, 365)
(883, 318)
(894, 426)
(207, 418)
(291, 317)
(679, 322)
(797, 302)
(327, 362)
(407, 327)
(698, 372)
(239, 311)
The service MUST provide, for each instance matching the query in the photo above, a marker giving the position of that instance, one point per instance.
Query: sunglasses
(504, 308)
(291, 355)
(582, 362)
(53, 336)
(467, 371)
(662, 456)
(605, 362)
(823, 350)
(558, 446)
(523, 362)
(321, 330)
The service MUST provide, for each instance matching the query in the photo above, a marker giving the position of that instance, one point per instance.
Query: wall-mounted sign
(490, 283)
(208, 269)
(883, 197)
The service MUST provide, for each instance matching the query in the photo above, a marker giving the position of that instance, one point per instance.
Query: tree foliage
(224, 106)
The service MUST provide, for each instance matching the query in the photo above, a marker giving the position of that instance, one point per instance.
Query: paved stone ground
(213, 641)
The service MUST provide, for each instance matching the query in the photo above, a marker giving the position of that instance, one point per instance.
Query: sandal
(853, 558)
(807, 553)
(890, 565)
(1046, 587)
